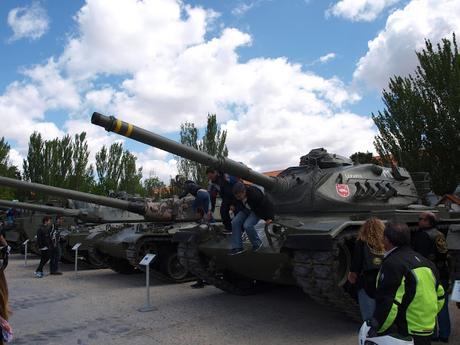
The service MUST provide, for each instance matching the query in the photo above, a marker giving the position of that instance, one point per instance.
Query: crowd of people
(403, 279)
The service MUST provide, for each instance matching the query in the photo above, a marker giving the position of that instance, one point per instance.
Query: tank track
(94, 259)
(316, 273)
(134, 258)
(189, 257)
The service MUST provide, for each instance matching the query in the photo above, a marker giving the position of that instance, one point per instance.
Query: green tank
(147, 228)
(77, 225)
(320, 206)
(27, 220)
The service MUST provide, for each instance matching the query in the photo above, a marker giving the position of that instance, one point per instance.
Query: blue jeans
(443, 324)
(366, 305)
(202, 201)
(245, 220)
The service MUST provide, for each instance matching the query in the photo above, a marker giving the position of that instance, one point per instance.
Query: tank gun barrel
(41, 208)
(135, 207)
(112, 124)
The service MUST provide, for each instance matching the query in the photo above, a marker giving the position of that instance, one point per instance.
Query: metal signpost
(146, 260)
(75, 247)
(25, 251)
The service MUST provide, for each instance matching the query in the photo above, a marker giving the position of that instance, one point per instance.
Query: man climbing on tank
(202, 202)
(431, 243)
(222, 184)
(253, 205)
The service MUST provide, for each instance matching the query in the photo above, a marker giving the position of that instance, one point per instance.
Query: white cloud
(327, 57)
(22, 110)
(28, 22)
(245, 6)
(360, 10)
(157, 163)
(392, 52)
(168, 71)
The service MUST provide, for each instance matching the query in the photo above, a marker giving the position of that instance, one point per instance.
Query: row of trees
(64, 162)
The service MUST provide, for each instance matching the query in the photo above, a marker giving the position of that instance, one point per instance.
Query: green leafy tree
(154, 188)
(116, 171)
(212, 142)
(59, 162)
(7, 170)
(82, 177)
(420, 125)
(33, 165)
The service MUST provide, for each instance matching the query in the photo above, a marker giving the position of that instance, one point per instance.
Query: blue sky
(283, 77)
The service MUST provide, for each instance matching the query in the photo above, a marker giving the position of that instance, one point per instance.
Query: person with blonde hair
(367, 258)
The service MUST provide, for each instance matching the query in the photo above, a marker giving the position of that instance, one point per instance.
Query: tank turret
(165, 210)
(323, 182)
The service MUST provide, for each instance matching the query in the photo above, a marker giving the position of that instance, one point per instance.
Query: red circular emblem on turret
(342, 190)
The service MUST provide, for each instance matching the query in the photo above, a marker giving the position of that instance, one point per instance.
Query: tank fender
(184, 236)
(322, 242)
(453, 237)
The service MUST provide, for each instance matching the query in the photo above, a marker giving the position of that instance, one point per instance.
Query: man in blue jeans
(202, 202)
(253, 205)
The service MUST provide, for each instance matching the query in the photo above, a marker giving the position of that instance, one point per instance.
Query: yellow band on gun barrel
(129, 130)
(117, 126)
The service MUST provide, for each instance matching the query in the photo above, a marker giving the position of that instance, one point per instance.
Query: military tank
(122, 246)
(320, 206)
(28, 219)
(78, 224)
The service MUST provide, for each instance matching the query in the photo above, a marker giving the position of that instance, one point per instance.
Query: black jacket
(366, 263)
(431, 243)
(190, 188)
(258, 203)
(44, 236)
(403, 273)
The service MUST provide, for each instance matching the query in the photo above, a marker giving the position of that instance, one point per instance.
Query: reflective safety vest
(409, 294)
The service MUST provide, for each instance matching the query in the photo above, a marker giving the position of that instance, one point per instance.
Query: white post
(146, 262)
(76, 262)
(25, 251)
(75, 247)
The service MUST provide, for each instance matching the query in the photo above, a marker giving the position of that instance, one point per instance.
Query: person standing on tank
(431, 243)
(366, 262)
(44, 244)
(55, 247)
(222, 184)
(253, 205)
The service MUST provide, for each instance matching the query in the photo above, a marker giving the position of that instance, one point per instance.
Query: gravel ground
(100, 307)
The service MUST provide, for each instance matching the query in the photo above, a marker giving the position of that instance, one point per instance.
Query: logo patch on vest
(441, 244)
(342, 190)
